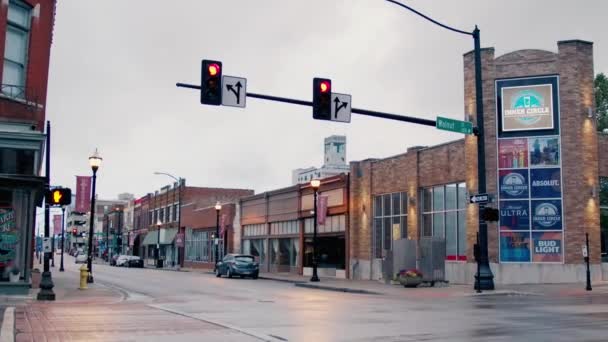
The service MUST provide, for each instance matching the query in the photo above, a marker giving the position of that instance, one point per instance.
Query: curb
(500, 293)
(290, 281)
(7, 332)
(337, 289)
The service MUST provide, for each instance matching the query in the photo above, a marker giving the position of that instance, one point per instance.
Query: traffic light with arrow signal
(321, 98)
(59, 196)
(211, 82)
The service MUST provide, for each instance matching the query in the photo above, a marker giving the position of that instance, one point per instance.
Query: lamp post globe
(95, 162)
(314, 184)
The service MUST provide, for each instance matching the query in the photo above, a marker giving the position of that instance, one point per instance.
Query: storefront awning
(166, 237)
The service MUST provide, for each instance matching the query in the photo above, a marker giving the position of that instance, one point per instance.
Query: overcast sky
(114, 65)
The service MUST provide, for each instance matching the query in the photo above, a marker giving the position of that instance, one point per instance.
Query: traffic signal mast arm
(403, 118)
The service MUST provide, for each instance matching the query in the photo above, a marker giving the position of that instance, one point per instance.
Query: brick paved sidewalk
(100, 313)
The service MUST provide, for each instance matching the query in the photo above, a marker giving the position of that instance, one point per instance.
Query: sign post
(479, 198)
(452, 125)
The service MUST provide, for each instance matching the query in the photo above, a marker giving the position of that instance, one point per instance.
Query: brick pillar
(579, 150)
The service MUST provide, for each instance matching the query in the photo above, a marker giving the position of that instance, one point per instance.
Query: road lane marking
(255, 335)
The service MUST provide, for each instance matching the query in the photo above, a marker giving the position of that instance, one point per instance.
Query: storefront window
(390, 220)
(284, 254)
(444, 215)
(15, 218)
(199, 246)
(257, 248)
(604, 217)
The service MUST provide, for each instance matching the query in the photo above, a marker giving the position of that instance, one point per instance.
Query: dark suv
(241, 265)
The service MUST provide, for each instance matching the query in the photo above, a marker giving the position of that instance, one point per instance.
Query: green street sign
(452, 125)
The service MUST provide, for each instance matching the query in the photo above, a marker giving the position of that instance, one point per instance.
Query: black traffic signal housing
(59, 196)
(321, 98)
(211, 82)
(490, 214)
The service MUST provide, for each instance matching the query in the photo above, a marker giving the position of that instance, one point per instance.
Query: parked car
(135, 261)
(242, 265)
(81, 258)
(122, 260)
(113, 260)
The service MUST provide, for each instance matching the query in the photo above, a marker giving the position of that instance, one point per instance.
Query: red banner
(322, 208)
(57, 224)
(83, 194)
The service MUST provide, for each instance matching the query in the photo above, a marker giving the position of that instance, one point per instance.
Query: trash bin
(159, 263)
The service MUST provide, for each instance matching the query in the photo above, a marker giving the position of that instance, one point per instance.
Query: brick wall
(580, 161)
(39, 50)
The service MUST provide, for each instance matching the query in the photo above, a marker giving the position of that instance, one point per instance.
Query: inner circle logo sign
(527, 107)
(547, 215)
(514, 184)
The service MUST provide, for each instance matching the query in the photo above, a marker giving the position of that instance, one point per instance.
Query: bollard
(84, 273)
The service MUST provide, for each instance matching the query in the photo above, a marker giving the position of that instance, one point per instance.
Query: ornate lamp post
(95, 162)
(315, 184)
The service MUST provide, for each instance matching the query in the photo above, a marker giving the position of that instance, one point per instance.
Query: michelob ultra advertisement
(527, 108)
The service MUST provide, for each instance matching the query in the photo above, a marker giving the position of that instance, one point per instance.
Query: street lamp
(179, 205)
(315, 184)
(158, 225)
(216, 241)
(484, 276)
(95, 163)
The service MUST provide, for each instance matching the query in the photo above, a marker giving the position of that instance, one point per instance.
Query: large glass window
(199, 246)
(390, 220)
(284, 254)
(444, 215)
(604, 217)
(257, 248)
(15, 49)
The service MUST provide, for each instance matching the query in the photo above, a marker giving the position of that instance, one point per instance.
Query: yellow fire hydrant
(84, 273)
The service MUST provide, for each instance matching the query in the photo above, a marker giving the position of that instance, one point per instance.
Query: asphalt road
(277, 311)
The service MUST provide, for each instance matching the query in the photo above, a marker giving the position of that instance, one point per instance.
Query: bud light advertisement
(513, 184)
(514, 215)
(547, 247)
(546, 183)
(547, 215)
(515, 246)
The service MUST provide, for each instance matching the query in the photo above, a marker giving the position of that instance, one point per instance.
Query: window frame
(381, 215)
(430, 214)
(26, 31)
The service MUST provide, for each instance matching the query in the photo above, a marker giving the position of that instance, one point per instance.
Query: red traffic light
(325, 86)
(74, 231)
(213, 69)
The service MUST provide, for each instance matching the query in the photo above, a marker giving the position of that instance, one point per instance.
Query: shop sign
(547, 215)
(515, 246)
(179, 240)
(544, 151)
(527, 107)
(514, 215)
(513, 184)
(547, 247)
(546, 183)
(9, 235)
(513, 153)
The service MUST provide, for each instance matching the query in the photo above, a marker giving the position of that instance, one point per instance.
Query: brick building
(277, 228)
(157, 214)
(543, 167)
(26, 28)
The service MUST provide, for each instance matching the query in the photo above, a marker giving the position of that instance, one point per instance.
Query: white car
(81, 258)
(122, 260)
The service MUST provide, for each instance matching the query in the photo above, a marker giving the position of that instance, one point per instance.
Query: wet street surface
(189, 305)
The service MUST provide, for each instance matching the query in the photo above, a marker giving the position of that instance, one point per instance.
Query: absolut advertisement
(529, 170)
